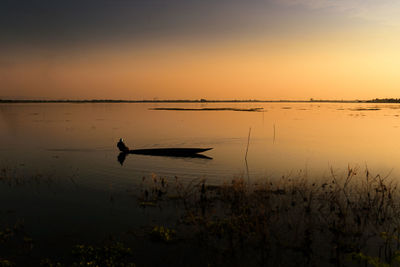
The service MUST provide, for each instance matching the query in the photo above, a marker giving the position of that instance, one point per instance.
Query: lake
(61, 175)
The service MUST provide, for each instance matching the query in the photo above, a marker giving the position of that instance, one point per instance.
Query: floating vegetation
(161, 233)
(14, 242)
(5, 263)
(211, 109)
(112, 255)
(364, 109)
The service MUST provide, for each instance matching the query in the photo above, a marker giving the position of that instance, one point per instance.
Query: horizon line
(311, 100)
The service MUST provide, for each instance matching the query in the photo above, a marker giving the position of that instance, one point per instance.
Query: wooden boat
(168, 151)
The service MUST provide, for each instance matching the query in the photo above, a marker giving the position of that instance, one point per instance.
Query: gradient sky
(190, 49)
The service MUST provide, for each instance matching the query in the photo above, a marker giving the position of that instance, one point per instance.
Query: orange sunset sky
(191, 49)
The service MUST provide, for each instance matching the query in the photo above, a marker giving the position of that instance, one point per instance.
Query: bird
(121, 145)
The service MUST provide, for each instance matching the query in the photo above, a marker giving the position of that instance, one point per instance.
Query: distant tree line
(384, 100)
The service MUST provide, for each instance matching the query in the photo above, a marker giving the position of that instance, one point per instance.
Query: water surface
(71, 149)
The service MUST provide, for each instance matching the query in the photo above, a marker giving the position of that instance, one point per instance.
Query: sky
(191, 49)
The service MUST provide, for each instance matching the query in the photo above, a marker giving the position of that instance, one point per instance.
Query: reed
(350, 219)
(12, 178)
(337, 221)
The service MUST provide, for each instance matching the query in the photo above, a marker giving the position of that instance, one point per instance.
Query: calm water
(72, 150)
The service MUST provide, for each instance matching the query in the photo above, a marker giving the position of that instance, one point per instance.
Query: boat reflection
(122, 156)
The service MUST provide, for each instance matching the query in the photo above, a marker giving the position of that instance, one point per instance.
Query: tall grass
(352, 219)
(340, 220)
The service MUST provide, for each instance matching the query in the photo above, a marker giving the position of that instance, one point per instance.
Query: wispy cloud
(384, 11)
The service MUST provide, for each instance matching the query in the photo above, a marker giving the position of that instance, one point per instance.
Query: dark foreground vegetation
(349, 220)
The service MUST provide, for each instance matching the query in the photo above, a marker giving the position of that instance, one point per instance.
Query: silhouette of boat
(167, 152)
(160, 151)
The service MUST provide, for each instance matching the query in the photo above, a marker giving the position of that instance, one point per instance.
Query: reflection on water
(285, 137)
(122, 156)
(75, 144)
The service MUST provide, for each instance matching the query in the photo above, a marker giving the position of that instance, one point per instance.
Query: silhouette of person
(122, 147)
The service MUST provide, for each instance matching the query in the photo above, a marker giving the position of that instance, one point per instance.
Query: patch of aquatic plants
(350, 219)
(12, 178)
(17, 249)
(365, 109)
(211, 109)
(112, 255)
(14, 242)
(152, 190)
(162, 233)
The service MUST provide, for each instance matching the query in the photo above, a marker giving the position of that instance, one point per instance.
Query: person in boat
(121, 146)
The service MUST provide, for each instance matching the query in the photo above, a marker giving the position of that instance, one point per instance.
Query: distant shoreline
(8, 101)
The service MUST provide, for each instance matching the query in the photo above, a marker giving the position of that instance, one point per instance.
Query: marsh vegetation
(337, 221)
(341, 220)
